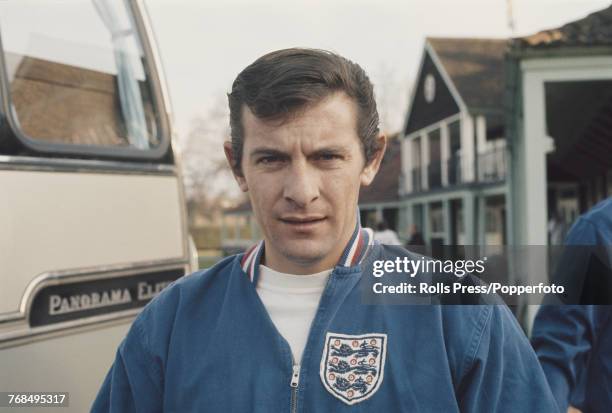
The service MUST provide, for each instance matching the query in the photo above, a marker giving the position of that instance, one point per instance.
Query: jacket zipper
(295, 382)
(295, 376)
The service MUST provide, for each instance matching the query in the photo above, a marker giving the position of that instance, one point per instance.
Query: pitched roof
(592, 30)
(385, 186)
(476, 68)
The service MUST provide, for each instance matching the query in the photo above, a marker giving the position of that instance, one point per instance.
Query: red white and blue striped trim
(250, 260)
(353, 254)
(357, 247)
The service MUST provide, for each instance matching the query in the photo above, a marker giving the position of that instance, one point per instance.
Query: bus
(92, 211)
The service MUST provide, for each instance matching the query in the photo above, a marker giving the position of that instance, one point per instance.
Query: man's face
(303, 177)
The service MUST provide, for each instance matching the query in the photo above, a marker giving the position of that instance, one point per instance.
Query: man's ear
(371, 169)
(238, 175)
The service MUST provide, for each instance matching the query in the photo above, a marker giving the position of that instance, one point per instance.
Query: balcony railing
(492, 165)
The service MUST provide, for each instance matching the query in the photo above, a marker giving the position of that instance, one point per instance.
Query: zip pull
(295, 378)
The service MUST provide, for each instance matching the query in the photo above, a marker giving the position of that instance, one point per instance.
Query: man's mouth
(302, 222)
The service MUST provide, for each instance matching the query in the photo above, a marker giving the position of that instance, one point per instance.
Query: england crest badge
(352, 366)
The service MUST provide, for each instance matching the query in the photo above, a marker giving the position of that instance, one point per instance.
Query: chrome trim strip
(144, 18)
(28, 335)
(183, 207)
(30, 163)
(8, 317)
(85, 274)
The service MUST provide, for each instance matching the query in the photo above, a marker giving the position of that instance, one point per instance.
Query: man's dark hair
(279, 83)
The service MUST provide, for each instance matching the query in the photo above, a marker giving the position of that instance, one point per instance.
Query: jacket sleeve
(563, 338)
(501, 371)
(564, 335)
(134, 382)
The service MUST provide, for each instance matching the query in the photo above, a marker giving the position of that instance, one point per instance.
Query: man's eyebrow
(266, 152)
(330, 149)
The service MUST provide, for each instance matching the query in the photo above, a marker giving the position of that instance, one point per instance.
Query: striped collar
(353, 254)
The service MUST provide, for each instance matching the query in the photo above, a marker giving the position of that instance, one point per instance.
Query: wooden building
(380, 201)
(559, 106)
(453, 144)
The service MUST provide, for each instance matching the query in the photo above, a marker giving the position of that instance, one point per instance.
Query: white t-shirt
(291, 301)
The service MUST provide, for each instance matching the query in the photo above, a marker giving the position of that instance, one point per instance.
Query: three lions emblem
(352, 366)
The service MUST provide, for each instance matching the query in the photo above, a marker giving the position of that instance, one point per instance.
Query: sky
(204, 44)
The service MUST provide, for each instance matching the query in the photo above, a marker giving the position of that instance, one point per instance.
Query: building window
(434, 169)
(415, 173)
(454, 159)
(429, 89)
(436, 218)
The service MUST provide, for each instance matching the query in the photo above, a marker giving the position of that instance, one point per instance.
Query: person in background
(556, 229)
(386, 235)
(416, 237)
(574, 342)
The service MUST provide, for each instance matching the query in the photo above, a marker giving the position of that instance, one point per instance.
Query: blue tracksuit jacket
(207, 344)
(574, 342)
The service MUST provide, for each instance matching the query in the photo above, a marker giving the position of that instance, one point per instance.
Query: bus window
(76, 74)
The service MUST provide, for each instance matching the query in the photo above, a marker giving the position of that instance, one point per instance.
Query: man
(574, 342)
(282, 327)
(385, 235)
(416, 237)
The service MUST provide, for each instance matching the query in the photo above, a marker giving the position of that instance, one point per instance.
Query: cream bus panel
(73, 363)
(52, 221)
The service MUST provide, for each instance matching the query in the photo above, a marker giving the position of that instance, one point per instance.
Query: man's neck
(286, 265)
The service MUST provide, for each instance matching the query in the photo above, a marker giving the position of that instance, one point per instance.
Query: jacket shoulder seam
(144, 339)
(476, 340)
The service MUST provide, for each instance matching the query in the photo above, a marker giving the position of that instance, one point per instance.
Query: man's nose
(301, 184)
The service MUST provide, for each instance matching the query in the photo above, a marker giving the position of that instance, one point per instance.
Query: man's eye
(328, 157)
(268, 160)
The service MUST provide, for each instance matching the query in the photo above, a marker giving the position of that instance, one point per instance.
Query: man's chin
(304, 251)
